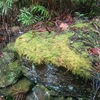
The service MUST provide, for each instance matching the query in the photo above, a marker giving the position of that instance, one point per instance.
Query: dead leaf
(94, 51)
(63, 26)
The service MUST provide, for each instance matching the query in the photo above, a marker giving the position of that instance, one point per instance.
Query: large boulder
(59, 80)
(44, 48)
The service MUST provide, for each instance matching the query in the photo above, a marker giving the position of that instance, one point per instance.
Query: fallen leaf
(94, 51)
(63, 26)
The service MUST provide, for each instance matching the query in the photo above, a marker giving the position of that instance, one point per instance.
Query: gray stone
(40, 92)
(58, 79)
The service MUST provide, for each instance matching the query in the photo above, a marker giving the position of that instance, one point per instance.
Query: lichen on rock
(43, 48)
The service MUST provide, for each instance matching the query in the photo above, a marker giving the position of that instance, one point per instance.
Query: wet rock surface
(58, 79)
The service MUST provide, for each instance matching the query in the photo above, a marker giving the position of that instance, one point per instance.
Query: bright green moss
(81, 25)
(42, 48)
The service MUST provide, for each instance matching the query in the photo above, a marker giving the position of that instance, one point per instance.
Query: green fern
(5, 5)
(40, 9)
(33, 14)
(25, 17)
(39, 12)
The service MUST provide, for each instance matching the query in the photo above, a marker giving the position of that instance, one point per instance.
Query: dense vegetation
(29, 12)
(63, 33)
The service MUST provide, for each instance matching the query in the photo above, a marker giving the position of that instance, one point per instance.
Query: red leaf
(94, 51)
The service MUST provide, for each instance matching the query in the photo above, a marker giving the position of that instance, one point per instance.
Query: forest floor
(59, 26)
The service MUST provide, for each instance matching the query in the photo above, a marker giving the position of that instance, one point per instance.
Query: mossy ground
(43, 48)
(81, 25)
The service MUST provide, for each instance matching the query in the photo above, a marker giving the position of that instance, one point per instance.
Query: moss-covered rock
(17, 90)
(10, 47)
(21, 86)
(86, 36)
(6, 57)
(43, 48)
(9, 70)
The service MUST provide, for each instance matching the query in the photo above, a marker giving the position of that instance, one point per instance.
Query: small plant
(25, 17)
(33, 14)
(39, 13)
